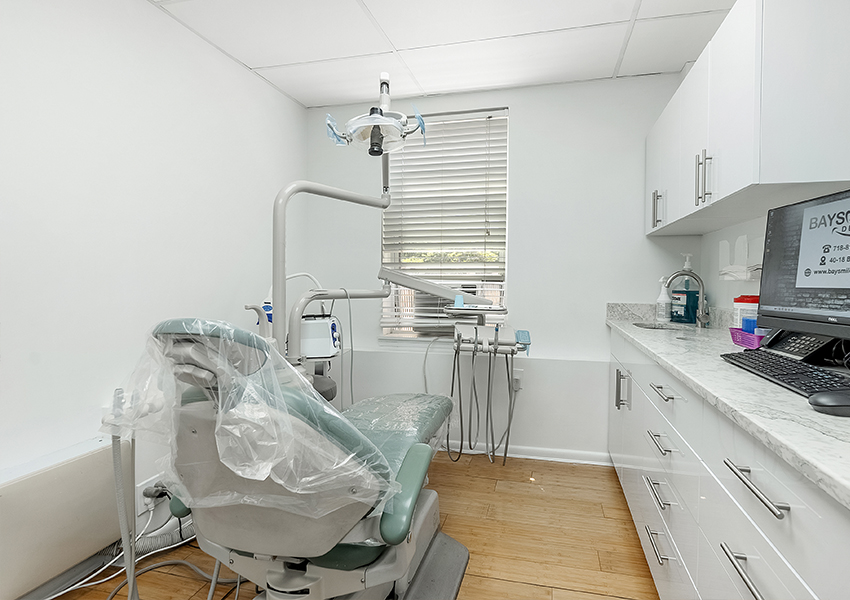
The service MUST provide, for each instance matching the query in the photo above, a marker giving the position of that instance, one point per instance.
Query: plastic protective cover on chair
(397, 421)
(270, 424)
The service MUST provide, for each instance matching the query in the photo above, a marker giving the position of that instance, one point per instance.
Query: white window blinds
(447, 220)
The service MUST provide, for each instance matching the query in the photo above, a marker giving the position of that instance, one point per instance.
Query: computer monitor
(805, 281)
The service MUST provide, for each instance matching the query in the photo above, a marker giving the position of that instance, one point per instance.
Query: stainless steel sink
(655, 325)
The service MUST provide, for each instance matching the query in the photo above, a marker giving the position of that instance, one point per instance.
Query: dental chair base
(299, 579)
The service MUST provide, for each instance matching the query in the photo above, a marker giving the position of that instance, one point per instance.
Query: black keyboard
(797, 376)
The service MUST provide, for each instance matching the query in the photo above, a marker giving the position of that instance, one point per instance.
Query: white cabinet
(680, 134)
(765, 105)
(733, 101)
(662, 165)
(804, 522)
(663, 524)
(716, 538)
(693, 132)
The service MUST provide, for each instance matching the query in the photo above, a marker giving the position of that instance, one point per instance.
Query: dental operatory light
(381, 130)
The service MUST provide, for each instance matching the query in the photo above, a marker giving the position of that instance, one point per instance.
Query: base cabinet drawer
(803, 522)
(671, 577)
(740, 549)
(720, 515)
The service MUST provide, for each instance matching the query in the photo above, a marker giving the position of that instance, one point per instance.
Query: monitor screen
(805, 281)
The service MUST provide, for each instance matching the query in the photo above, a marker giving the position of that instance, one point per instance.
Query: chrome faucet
(702, 310)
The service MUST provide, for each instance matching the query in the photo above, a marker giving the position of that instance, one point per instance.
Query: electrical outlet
(517, 380)
(141, 507)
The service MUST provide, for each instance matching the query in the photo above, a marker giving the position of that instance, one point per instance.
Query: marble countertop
(815, 444)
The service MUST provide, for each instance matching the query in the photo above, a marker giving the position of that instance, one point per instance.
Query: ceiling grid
(328, 53)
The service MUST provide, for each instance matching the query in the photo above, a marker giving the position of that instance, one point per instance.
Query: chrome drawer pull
(775, 508)
(654, 437)
(659, 389)
(662, 504)
(735, 558)
(658, 556)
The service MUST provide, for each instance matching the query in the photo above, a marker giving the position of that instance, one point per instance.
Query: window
(447, 220)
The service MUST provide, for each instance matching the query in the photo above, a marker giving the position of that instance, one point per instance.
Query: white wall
(575, 242)
(722, 292)
(139, 166)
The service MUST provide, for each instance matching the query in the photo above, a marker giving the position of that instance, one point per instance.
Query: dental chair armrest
(411, 476)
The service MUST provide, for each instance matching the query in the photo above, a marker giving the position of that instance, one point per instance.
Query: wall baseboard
(551, 454)
(54, 518)
(570, 456)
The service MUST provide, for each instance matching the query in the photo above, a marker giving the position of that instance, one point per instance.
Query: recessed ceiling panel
(572, 55)
(450, 21)
(342, 81)
(665, 45)
(665, 8)
(262, 33)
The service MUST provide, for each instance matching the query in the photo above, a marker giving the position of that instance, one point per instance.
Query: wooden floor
(535, 530)
(541, 530)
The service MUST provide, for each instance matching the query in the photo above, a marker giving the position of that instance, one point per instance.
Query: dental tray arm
(396, 525)
(425, 286)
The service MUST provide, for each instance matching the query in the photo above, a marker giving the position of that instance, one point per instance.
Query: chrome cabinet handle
(656, 214)
(775, 508)
(654, 208)
(705, 192)
(662, 504)
(618, 378)
(654, 437)
(618, 390)
(735, 558)
(658, 556)
(697, 196)
(659, 389)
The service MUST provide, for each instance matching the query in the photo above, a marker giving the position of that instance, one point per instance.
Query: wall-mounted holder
(745, 264)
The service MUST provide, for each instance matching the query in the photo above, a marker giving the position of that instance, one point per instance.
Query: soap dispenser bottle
(662, 304)
(685, 300)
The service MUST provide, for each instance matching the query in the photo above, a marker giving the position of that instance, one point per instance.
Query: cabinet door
(734, 101)
(805, 123)
(692, 97)
(662, 165)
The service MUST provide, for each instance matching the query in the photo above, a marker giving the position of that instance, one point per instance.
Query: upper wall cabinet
(760, 120)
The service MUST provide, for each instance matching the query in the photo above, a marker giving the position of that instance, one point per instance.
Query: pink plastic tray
(742, 338)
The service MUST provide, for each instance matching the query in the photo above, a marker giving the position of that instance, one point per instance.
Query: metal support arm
(300, 306)
(279, 240)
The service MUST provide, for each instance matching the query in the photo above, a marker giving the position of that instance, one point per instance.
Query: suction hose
(147, 544)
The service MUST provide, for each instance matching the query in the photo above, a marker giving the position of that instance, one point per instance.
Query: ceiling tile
(665, 45)
(450, 21)
(263, 33)
(342, 81)
(664, 8)
(572, 55)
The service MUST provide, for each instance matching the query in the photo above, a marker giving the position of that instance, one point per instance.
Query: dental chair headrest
(190, 343)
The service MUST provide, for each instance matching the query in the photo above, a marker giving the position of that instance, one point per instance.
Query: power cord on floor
(84, 583)
(167, 563)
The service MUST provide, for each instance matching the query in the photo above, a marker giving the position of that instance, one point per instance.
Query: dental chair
(303, 501)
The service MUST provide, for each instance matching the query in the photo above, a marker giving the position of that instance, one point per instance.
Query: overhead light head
(381, 131)
(378, 132)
